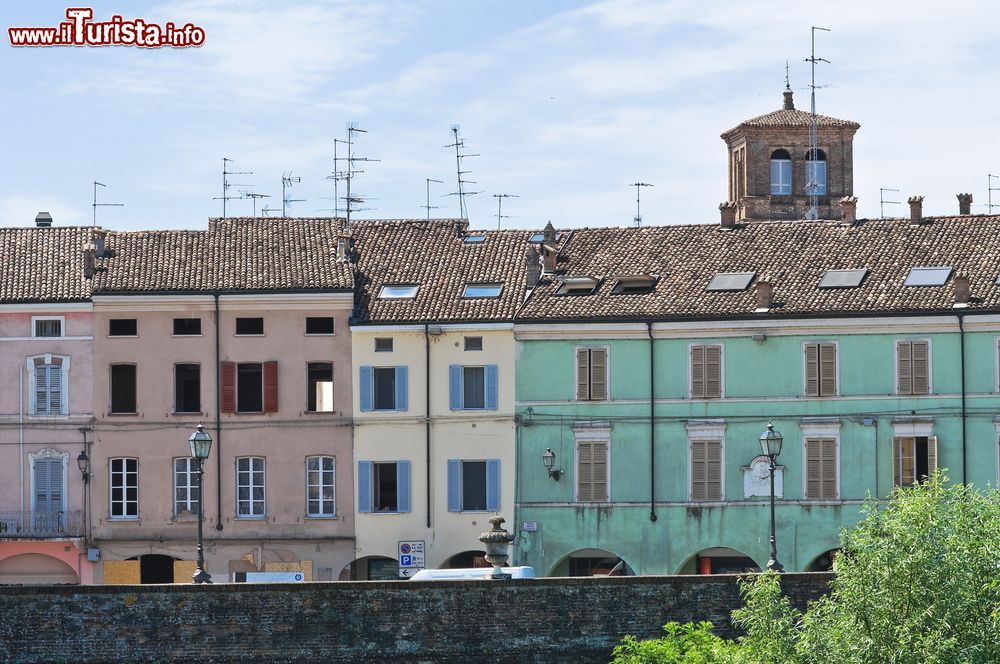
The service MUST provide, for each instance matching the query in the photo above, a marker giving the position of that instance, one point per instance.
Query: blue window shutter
(365, 389)
(493, 485)
(365, 485)
(402, 389)
(403, 485)
(454, 485)
(491, 387)
(455, 387)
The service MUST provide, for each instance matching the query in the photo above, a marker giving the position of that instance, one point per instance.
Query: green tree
(692, 643)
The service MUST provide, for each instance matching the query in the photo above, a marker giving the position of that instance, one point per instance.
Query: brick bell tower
(771, 165)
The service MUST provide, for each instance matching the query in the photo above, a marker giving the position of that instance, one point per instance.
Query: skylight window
(634, 283)
(474, 239)
(482, 290)
(577, 285)
(843, 278)
(398, 292)
(730, 281)
(927, 276)
(540, 237)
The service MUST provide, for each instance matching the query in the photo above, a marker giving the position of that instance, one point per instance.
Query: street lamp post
(201, 445)
(770, 445)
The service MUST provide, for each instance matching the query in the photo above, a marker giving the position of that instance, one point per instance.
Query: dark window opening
(473, 343)
(122, 388)
(319, 325)
(123, 327)
(320, 387)
(187, 388)
(156, 568)
(383, 345)
(385, 482)
(815, 155)
(474, 486)
(780, 154)
(48, 328)
(249, 387)
(250, 326)
(384, 388)
(184, 327)
(474, 387)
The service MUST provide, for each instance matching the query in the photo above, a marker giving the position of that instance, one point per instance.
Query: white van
(471, 573)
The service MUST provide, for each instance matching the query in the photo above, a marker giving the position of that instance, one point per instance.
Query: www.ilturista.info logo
(80, 30)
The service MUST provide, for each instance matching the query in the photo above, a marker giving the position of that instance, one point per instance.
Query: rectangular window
(592, 470)
(321, 494)
(320, 387)
(472, 388)
(383, 486)
(914, 459)
(187, 327)
(47, 327)
(912, 367)
(383, 345)
(319, 324)
(706, 469)
(473, 486)
(123, 484)
(249, 387)
(821, 370)
(473, 343)
(781, 177)
(383, 388)
(49, 393)
(249, 326)
(250, 487)
(591, 374)
(123, 327)
(385, 478)
(186, 500)
(123, 388)
(816, 177)
(706, 372)
(187, 388)
(821, 469)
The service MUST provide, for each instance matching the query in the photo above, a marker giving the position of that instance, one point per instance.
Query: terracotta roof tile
(43, 264)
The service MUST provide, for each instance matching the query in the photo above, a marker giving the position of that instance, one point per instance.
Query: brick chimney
(550, 250)
(98, 237)
(43, 220)
(765, 296)
(965, 203)
(89, 260)
(532, 267)
(963, 290)
(727, 214)
(343, 248)
(849, 208)
(916, 208)
(789, 104)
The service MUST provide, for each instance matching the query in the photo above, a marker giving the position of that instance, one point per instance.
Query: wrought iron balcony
(39, 525)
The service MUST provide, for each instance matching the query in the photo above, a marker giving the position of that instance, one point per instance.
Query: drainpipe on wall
(218, 412)
(20, 435)
(652, 428)
(961, 342)
(427, 422)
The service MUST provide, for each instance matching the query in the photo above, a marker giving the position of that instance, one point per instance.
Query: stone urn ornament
(496, 540)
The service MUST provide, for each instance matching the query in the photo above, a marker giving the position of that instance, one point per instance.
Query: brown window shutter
(897, 462)
(698, 372)
(582, 374)
(598, 374)
(698, 470)
(270, 387)
(713, 470)
(228, 371)
(932, 454)
(828, 455)
(827, 370)
(813, 471)
(904, 383)
(713, 372)
(584, 471)
(600, 471)
(812, 370)
(921, 377)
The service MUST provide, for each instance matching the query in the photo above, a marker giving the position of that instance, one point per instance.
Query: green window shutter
(812, 370)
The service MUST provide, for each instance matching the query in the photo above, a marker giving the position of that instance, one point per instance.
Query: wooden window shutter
(697, 372)
(827, 370)
(582, 374)
(713, 372)
(812, 371)
(698, 469)
(270, 387)
(228, 371)
(600, 472)
(598, 374)
(897, 462)
(904, 381)
(932, 454)
(585, 471)
(919, 367)
(813, 471)
(713, 470)
(828, 476)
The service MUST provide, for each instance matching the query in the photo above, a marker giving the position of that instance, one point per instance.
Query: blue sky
(567, 103)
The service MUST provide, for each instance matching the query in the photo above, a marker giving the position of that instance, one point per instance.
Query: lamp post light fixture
(549, 461)
(201, 445)
(770, 445)
(83, 463)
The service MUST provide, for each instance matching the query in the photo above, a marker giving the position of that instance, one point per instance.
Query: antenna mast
(349, 173)
(255, 196)
(500, 198)
(637, 185)
(882, 202)
(989, 192)
(812, 185)
(287, 180)
(428, 206)
(97, 205)
(226, 184)
(459, 144)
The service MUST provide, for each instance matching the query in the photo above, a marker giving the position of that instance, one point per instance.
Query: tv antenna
(882, 202)
(812, 174)
(459, 145)
(97, 205)
(428, 206)
(638, 186)
(266, 211)
(287, 180)
(500, 198)
(226, 184)
(989, 192)
(351, 201)
(255, 197)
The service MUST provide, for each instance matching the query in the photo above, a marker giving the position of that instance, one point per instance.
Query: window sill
(123, 336)
(124, 519)
(249, 335)
(262, 517)
(319, 412)
(383, 512)
(43, 416)
(182, 336)
(133, 414)
(188, 413)
(185, 518)
(321, 517)
(320, 334)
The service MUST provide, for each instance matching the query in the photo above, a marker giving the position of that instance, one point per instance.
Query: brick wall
(544, 620)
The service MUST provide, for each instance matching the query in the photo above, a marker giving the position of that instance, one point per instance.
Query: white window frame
(111, 476)
(191, 474)
(598, 431)
(895, 366)
(607, 373)
(820, 185)
(836, 375)
(263, 514)
(820, 429)
(48, 453)
(321, 515)
(62, 326)
(722, 371)
(46, 358)
(706, 430)
(781, 185)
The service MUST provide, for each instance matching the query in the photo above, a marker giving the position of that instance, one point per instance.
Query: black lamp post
(549, 461)
(83, 463)
(201, 445)
(770, 445)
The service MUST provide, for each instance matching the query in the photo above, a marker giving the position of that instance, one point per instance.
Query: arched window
(781, 173)
(816, 172)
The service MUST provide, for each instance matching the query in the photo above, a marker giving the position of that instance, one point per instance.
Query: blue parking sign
(405, 561)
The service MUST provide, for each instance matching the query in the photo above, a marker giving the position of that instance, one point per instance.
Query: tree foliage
(917, 583)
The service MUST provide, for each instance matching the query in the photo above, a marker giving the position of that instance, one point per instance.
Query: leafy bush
(691, 643)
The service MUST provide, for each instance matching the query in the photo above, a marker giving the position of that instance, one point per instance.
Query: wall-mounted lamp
(758, 338)
(549, 460)
(83, 463)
